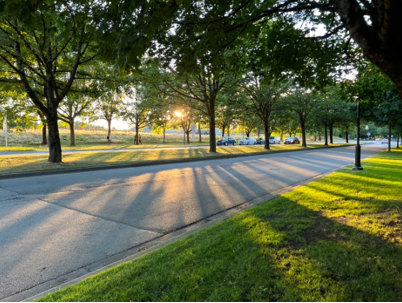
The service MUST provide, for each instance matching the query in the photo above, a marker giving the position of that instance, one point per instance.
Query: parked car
(260, 141)
(292, 140)
(226, 141)
(248, 141)
(274, 140)
(384, 141)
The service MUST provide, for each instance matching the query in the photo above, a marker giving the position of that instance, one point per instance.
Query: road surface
(58, 227)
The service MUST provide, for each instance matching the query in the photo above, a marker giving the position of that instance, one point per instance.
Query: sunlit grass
(25, 163)
(335, 239)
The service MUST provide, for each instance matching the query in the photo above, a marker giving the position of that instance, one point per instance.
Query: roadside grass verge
(335, 239)
(26, 163)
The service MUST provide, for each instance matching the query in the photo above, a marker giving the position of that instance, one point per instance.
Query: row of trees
(203, 53)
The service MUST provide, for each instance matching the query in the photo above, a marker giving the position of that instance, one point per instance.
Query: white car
(248, 141)
(274, 140)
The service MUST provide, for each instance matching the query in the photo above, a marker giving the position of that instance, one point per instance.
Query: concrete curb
(147, 163)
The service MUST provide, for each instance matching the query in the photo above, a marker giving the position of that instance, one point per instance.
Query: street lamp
(357, 148)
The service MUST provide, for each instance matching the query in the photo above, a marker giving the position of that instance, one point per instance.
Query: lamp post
(357, 148)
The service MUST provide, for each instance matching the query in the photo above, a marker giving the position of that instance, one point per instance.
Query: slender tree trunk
(188, 136)
(44, 134)
(267, 135)
(303, 130)
(315, 138)
(325, 134)
(109, 128)
(199, 133)
(389, 138)
(397, 140)
(223, 130)
(259, 130)
(136, 138)
(347, 134)
(212, 125)
(212, 135)
(163, 135)
(248, 133)
(281, 135)
(228, 130)
(55, 154)
(72, 132)
(331, 133)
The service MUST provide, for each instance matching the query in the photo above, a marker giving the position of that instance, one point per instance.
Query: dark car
(292, 140)
(226, 141)
(260, 141)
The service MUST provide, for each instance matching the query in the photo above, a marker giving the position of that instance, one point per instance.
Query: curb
(146, 163)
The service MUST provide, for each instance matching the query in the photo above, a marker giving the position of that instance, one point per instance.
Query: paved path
(55, 228)
(106, 150)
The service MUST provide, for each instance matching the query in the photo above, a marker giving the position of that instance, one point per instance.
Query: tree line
(258, 60)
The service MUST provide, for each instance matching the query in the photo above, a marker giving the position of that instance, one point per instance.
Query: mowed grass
(335, 239)
(26, 163)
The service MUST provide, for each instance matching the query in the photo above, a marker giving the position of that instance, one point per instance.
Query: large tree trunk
(44, 135)
(72, 132)
(55, 155)
(380, 42)
(188, 136)
(267, 135)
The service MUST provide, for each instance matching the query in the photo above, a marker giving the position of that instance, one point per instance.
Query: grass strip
(29, 163)
(335, 239)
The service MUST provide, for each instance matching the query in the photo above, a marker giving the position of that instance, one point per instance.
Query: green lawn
(335, 239)
(26, 163)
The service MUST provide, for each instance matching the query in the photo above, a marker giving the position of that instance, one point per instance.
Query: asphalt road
(58, 227)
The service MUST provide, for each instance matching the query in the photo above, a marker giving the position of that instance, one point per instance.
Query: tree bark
(44, 135)
(199, 133)
(389, 138)
(381, 43)
(109, 128)
(72, 132)
(136, 138)
(303, 130)
(347, 134)
(163, 135)
(212, 135)
(331, 133)
(267, 134)
(325, 134)
(55, 153)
